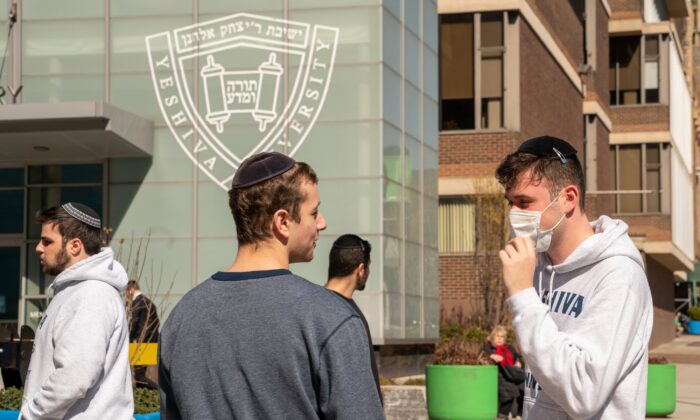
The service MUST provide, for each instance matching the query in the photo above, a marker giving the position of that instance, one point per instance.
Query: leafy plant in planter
(10, 398)
(146, 400)
(694, 323)
(461, 383)
(661, 387)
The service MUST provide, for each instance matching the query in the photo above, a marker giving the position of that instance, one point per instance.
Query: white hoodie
(586, 348)
(80, 360)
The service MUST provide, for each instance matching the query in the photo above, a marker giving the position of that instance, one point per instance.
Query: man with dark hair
(80, 360)
(584, 323)
(256, 341)
(348, 270)
(143, 326)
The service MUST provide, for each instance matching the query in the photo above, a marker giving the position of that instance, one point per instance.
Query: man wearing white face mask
(580, 300)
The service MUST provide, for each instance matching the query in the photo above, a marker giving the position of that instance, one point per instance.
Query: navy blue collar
(249, 275)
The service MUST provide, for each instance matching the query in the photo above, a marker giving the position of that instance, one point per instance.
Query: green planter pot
(661, 390)
(462, 392)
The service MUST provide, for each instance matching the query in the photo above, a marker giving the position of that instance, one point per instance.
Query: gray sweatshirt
(584, 331)
(265, 345)
(80, 360)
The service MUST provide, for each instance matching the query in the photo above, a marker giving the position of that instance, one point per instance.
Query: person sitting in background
(681, 323)
(510, 372)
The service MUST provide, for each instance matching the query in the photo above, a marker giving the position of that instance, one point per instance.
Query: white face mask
(526, 224)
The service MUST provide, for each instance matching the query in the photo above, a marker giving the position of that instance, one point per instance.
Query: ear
(74, 247)
(281, 222)
(360, 270)
(571, 198)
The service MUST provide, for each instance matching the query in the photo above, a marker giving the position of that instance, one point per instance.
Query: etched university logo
(239, 85)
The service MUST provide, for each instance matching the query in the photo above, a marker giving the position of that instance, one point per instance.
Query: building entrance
(25, 190)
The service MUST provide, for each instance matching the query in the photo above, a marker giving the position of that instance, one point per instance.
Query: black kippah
(548, 146)
(350, 241)
(83, 213)
(261, 167)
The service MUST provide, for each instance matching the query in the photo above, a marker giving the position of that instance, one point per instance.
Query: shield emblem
(239, 85)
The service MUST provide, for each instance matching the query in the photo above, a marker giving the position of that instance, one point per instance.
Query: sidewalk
(402, 403)
(685, 352)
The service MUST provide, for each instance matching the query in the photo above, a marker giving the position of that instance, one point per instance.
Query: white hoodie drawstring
(551, 290)
(551, 286)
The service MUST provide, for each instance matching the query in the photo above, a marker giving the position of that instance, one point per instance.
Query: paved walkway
(685, 352)
(403, 403)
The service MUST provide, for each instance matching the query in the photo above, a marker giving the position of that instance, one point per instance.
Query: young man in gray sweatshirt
(256, 341)
(584, 323)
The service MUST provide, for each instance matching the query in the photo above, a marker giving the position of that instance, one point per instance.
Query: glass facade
(371, 135)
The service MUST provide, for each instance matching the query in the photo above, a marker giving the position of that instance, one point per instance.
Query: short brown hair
(71, 228)
(343, 260)
(557, 174)
(252, 207)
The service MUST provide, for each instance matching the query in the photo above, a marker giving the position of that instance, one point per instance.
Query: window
(456, 225)
(11, 200)
(651, 69)
(55, 184)
(638, 177)
(48, 186)
(634, 69)
(471, 71)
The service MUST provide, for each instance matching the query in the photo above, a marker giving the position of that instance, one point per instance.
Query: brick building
(613, 78)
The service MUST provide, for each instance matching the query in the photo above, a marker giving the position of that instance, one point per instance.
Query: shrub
(415, 381)
(458, 350)
(146, 400)
(694, 313)
(474, 334)
(653, 360)
(383, 380)
(10, 398)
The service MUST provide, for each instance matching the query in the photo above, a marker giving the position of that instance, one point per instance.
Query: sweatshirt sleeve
(347, 389)
(81, 337)
(168, 407)
(580, 368)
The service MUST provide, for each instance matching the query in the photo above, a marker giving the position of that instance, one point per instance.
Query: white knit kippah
(83, 213)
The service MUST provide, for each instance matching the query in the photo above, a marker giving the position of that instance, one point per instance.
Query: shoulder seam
(325, 342)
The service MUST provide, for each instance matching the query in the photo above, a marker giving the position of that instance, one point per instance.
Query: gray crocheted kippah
(83, 213)
(261, 167)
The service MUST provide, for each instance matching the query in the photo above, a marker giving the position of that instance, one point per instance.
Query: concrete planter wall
(404, 402)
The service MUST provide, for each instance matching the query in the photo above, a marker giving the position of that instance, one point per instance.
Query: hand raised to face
(519, 260)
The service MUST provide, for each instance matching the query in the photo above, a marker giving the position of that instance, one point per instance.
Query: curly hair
(252, 207)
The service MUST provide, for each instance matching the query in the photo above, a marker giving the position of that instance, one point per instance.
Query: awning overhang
(665, 253)
(71, 131)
